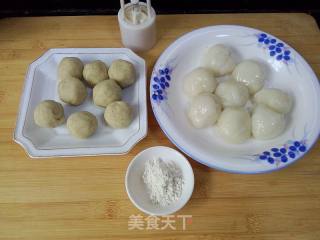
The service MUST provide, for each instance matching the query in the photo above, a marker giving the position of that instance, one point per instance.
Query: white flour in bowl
(164, 181)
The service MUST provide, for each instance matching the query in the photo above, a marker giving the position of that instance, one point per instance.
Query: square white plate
(41, 83)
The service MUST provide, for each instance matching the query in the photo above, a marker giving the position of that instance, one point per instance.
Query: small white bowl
(137, 190)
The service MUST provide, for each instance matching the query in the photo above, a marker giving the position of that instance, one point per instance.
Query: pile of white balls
(226, 102)
(107, 83)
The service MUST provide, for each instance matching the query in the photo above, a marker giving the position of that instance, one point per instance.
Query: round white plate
(285, 69)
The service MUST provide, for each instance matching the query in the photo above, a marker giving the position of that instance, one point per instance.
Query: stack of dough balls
(71, 88)
(107, 84)
(221, 91)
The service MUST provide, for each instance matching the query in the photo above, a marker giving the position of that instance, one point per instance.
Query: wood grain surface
(85, 197)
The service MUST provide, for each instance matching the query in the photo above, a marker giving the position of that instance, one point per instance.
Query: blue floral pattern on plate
(289, 151)
(160, 83)
(276, 48)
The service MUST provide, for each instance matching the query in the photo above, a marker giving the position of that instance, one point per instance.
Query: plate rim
(181, 38)
(29, 147)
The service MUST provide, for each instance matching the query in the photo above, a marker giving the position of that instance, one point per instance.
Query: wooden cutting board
(85, 198)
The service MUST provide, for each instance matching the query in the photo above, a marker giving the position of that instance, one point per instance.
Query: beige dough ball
(204, 110)
(251, 74)
(118, 115)
(95, 72)
(48, 114)
(123, 72)
(232, 93)
(266, 123)
(70, 67)
(106, 92)
(219, 59)
(82, 124)
(275, 99)
(198, 81)
(72, 91)
(234, 125)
